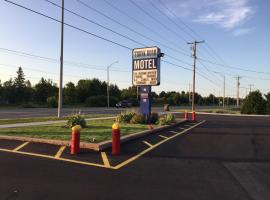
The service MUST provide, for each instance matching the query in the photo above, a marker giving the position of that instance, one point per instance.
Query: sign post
(146, 73)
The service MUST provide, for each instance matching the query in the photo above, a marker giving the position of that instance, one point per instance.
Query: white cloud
(227, 14)
(242, 31)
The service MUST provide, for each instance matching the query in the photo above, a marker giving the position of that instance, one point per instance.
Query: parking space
(130, 151)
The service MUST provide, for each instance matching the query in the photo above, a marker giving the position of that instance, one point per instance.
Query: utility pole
(189, 94)
(250, 87)
(194, 51)
(60, 96)
(238, 84)
(224, 91)
(108, 83)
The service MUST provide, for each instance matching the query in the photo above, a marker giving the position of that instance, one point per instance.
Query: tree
(129, 93)
(254, 103)
(9, 94)
(44, 89)
(69, 93)
(267, 96)
(90, 87)
(20, 87)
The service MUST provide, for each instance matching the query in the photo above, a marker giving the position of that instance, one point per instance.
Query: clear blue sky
(237, 30)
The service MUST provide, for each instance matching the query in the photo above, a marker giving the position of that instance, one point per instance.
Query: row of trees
(89, 92)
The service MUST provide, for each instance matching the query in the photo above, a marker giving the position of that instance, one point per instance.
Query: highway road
(11, 113)
(224, 158)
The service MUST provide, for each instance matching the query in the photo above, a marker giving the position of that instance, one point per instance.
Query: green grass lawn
(44, 119)
(96, 131)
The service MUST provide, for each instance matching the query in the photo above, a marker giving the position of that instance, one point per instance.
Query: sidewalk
(45, 123)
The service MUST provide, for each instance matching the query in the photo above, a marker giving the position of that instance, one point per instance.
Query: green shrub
(125, 116)
(52, 102)
(138, 119)
(154, 118)
(76, 120)
(166, 120)
(98, 101)
(170, 118)
(162, 121)
(254, 104)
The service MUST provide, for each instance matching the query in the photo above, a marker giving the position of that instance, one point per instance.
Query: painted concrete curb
(126, 138)
(94, 146)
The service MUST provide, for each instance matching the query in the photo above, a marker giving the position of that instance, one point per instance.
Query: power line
(137, 21)
(38, 57)
(93, 22)
(69, 25)
(183, 52)
(192, 31)
(160, 11)
(236, 68)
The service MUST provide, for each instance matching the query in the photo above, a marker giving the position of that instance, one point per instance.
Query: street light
(108, 83)
(223, 75)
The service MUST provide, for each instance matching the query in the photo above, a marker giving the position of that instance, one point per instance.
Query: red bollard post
(75, 139)
(115, 139)
(186, 115)
(193, 116)
(150, 127)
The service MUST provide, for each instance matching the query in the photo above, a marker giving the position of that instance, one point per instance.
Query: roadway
(11, 113)
(226, 157)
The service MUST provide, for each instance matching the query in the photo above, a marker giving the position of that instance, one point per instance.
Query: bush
(162, 121)
(138, 119)
(98, 101)
(76, 120)
(170, 118)
(154, 118)
(52, 102)
(254, 104)
(166, 120)
(125, 116)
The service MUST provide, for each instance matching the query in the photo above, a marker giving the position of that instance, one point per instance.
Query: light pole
(60, 96)
(108, 83)
(223, 75)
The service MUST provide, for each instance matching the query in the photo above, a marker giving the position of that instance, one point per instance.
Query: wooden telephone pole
(194, 51)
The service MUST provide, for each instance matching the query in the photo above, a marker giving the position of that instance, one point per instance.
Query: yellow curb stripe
(59, 152)
(154, 146)
(105, 159)
(20, 146)
(147, 143)
(162, 136)
(53, 158)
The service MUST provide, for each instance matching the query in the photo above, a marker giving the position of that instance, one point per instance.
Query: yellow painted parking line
(162, 136)
(20, 146)
(154, 146)
(105, 159)
(174, 132)
(59, 152)
(53, 158)
(147, 143)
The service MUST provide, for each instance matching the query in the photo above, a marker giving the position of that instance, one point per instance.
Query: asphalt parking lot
(223, 158)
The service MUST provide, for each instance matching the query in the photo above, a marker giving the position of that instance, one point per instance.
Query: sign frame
(155, 58)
